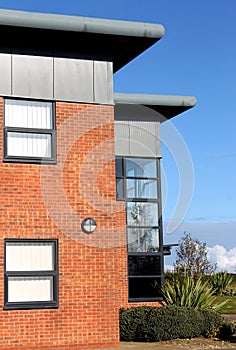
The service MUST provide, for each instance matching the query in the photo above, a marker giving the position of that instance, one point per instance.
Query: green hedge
(152, 324)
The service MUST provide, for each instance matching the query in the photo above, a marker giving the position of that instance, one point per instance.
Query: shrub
(151, 324)
(130, 320)
(220, 282)
(212, 322)
(189, 292)
(226, 330)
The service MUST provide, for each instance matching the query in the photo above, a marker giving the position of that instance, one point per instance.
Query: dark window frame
(131, 277)
(52, 132)
(122, 179)
(51, 273)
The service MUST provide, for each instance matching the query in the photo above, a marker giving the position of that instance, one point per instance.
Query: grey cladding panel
(141, 127)
(122, 144)
(143, 139)
(5, 74)
(32, 76)
(103, 82)
(158, 137)
(73, 80)
(56, 78)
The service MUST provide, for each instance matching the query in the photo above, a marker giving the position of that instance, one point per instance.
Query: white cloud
(225, 259)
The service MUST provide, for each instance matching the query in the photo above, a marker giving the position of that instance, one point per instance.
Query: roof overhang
(167, 106)
(119, 41)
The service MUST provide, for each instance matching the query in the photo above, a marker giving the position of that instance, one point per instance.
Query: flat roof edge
(80, 24)
(156, 100)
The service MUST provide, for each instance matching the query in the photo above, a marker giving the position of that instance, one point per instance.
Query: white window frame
(31, 284)
(48, 134)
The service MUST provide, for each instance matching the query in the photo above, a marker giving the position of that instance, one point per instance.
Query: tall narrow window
(29, 131)
(31, 274)
(138, 184)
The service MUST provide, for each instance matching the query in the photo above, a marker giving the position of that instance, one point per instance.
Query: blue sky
(197, 56)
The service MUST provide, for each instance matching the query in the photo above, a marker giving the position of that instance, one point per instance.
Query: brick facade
(50, 201)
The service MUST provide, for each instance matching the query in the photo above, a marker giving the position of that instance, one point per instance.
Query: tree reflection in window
(143, 240)
(142, 214)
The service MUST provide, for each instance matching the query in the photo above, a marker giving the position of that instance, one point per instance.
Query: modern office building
(80, 207)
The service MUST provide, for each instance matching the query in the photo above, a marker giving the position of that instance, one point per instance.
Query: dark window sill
(31, 305)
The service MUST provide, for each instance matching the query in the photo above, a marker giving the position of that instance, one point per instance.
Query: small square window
(144, 288)
(142, 214)
(141, 167)
(119, 167)
(143, 240)
(31, 274)
(120, 189)
(144, 189)
(29, 131)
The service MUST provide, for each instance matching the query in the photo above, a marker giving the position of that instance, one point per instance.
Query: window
(29, 131)
(31, 274)
(120, 179)
(138, 184)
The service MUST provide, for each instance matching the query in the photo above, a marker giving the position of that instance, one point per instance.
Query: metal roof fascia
(80, 24)
(156, 100)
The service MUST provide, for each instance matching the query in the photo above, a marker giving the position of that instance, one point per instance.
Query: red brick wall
(50, 201)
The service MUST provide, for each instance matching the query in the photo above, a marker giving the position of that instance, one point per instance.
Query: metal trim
(80, 24)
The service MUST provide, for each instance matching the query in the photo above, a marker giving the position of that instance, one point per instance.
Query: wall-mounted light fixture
(88, 225)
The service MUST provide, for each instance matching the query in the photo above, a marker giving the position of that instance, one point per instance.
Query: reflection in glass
(144, 265)
(142, 214)
(119, 189)
(143, 240)
(119, 167)
(141, 167)
(144, 287)
(146, 189)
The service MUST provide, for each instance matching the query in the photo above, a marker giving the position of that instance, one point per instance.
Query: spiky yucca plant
(220, 281)
(189, 292)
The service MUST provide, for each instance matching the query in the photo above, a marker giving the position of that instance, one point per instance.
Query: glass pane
(30, 288)
(29, 145)
(28, 114)
(119, 167)
(141, 189)
(29, 256)
(144, 265)
(143, 240)
(142, 214)
(141, 167)
(119, 188)
(144, 287)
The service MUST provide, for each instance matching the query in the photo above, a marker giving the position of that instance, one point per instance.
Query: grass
(229, 307)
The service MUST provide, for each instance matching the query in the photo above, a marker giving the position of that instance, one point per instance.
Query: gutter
(155, 100)
(80, 24)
